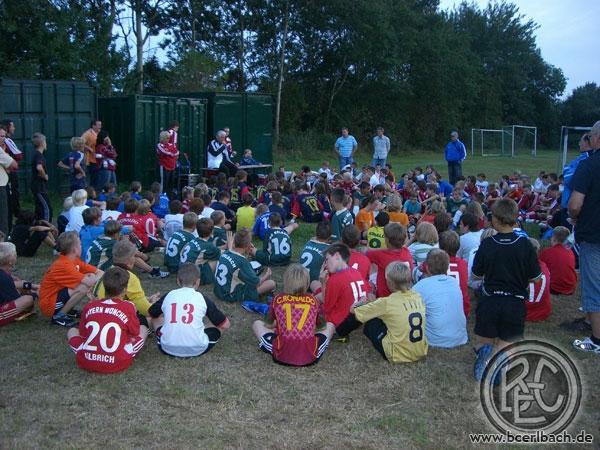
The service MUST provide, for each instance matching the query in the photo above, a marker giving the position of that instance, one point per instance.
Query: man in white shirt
(6, 163)
(446, 324)
(470, 235)
(381, 148)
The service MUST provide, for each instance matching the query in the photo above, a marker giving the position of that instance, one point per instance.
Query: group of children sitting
(387, 257)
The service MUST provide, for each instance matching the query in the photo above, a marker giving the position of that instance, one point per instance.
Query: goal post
(494, 139)
(520, 136)
(564, 140)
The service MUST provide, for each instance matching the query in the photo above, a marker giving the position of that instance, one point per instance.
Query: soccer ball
(257, 267)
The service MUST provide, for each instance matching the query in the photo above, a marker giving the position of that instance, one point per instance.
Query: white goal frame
(564, 141)
(481, 132)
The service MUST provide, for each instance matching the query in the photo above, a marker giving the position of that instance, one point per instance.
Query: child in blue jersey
(160, 207)
(277, 249)
(262, 221)
(91, 228)
(306, 205)
(74, 163)
(276, 205)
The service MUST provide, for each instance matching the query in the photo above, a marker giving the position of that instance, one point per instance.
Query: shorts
(61, 299)
(8, 313)
(152, 244)
(242, 292)
(213, 337)
(500, 316)
(266, 345)
(589, 260)
(207, 276)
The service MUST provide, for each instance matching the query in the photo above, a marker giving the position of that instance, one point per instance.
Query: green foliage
(582, 107)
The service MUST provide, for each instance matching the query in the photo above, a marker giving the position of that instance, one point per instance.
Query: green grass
(236, 397)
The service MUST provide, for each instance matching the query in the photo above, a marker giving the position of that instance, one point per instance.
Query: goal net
(510, 140)
(487, 142)
(569, 140)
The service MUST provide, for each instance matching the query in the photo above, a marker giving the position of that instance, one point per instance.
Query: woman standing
(167, 161)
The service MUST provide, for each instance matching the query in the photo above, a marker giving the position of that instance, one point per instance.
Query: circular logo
(530, 386)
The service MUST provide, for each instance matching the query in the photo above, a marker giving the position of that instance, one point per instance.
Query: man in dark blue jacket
(455, 154)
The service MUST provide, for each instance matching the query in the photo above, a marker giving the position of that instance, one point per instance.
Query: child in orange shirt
(394, 209)
(365, 218)
(67, 282)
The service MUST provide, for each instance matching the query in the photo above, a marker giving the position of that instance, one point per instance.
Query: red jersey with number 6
(108, 336)
(344, 288)
(295, 342)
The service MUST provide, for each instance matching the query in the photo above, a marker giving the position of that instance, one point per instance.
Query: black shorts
(30, 246)
(61, 299)
(214, 334)
(152, 244)
(500, 317)
(266, 345)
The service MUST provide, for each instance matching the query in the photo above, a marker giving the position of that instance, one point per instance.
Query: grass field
(236, 397)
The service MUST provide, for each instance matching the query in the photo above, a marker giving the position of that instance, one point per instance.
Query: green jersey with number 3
(340, 220)
(235, 280)
(100, 253)
(312, 257)
(199, 252)
(174, 247)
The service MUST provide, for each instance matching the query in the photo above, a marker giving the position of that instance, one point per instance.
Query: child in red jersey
(291, 337)
(109, 334)
(395, 238)
(539, 306)
(341, 285)
(358, 260)
(458, 268)
(146, 227)
(561, 263)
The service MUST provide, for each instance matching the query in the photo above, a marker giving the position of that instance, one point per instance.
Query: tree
(582, 107)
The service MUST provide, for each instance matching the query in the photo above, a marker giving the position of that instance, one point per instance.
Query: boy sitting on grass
(219, 229)
(341, 217)
(396, 324)
(245, 214)
(311, 256)
(561, 263)
(16, 297)
(91, 228)
(99, 253)
(539, 305)
(178, 241)
(202, 252)
(235, 279)
(375, 235)
(277, 245)
(178, 318)
(507, 262)
(291, 336)
(112, 317)
(67, 282)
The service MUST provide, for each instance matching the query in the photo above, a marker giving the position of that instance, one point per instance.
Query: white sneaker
(586, 345)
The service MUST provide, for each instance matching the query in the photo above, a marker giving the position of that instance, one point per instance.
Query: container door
(259, 127)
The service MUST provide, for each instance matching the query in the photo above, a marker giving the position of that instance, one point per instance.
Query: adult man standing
(6, 164)
(455, 154)
(90, 137)
(14, 197)
(218, 155)
(381, 148)
(583, 208)
(345, 146)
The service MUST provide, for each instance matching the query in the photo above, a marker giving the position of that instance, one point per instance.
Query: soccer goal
(487, 141)
(569, 138)
(510, 140)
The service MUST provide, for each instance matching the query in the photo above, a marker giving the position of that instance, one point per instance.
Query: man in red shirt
(561, 263)
(538, 305)
(110, 334)
(395, 238)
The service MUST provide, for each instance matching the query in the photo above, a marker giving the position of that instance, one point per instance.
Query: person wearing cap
(345, 146)
(455, 154)
(381, 148)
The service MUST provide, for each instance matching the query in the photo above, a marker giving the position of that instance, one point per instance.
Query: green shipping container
(249, 117)
(135, 122)
(58, 109)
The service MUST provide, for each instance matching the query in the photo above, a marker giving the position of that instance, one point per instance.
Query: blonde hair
(143, 207)
(296, 280)
(426, 233)
(394, 203)
(79, 197)
(77, 143)
(67, 203)
(398, 276)
(475, 209)
(436, 207)
(164, 136)
(67, 241)
(7, 249)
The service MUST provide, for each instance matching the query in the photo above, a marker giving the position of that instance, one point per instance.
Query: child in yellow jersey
(245, 214)
(375, 236)
(396, 324)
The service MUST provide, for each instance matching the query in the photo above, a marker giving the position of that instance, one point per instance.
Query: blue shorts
(589, 261)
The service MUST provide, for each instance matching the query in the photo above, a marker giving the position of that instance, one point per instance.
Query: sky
(568, 35)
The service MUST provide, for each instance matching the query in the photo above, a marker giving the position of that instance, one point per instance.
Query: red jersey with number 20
(108, 336)
(295, 342)
(344, 288)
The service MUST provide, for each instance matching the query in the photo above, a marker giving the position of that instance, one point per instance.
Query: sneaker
(63, 320)
(501, 372)
(260, 308)
(586, 345)
(580, 325)
(157, 273)
(483, 357)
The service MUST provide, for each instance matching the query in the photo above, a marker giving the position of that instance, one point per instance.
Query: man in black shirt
(39, 179)
(584, 204)
(507, 262)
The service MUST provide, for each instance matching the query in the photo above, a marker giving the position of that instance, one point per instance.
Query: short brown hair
(190, 219)
(217, 216)
(67, 241)
(340, 248)
(112, 228)
(242, 238)
(115, 281)
(143, 207)
(197, 205)
(505, 211)
(398, 276)
(188, 274)
(337, 196)
(323, 230)
(437, 261)
(123, 252)
(426, 233)
(560, 234)
(131, 205)
(37, 139)
(275, 220)
(296, 280)
(395, 234)
(450, 242)
(351, 236)
(205, 227)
